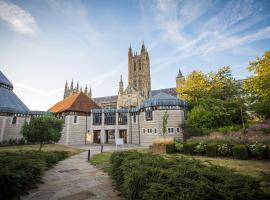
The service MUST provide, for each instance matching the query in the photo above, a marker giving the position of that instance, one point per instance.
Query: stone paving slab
(74, 178)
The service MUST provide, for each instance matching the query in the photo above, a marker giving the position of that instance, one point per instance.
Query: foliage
(189, 130)
(200, 117)
(200, 148)
(258, 85)
(43, 129)
(165, 123)
(240, 152)
(150, 176)
(189, 147)
(216, 98)
(170, 148)
(258, 150)
(268, 148)
(179, 147)
(211, 150)
(101, 160)
(224, 150)
(22, 170)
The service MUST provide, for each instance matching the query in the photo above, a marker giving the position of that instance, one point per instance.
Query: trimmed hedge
(151, 176)
(240, 152)
(170, 148)
(211, 150)
(189, 147)
(22, 170)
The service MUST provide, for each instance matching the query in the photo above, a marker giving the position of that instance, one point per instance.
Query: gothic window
(109, 119)
(135, 84)
(14, 120)
(140, 66)
(148, 114)
(134, 117)
(134, 67)
(122, 119)
(97, 118)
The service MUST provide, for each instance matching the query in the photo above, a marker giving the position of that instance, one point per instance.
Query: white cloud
(19, 19)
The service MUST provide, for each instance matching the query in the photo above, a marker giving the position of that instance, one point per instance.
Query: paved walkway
(75, 179)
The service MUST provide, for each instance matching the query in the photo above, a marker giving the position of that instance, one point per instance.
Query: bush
(211, 150)
(189, 130)
(170, 148)
(224, 150)
(200, 118)
(240, 152)
(189, 147)
(200, 148)
(258, 150)
(268, 148)
(150, 176)
(179, 147)
(21, 171)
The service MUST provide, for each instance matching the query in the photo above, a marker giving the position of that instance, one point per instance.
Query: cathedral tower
(179, 79)
(139, 72)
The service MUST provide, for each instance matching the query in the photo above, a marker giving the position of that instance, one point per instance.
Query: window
(170, 130)
(148, 114)
(75, 119)
(178, 130)
(143, 130)
(110, 119)
(122, 118)
(97, 118)
(14, 120)
(134, 117)
(155, 130)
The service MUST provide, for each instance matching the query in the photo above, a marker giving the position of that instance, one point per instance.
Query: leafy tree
(43, 129)
(258, 85)
(165, 123)
(216, 95)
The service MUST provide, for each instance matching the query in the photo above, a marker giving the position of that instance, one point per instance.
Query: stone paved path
(75, 179)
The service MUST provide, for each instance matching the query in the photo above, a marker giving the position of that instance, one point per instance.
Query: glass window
(97, 118)
(178, 130)
(134, 118)
(122, 118)
(75, 119)
(110, 118)
(148, 114)
(14, 120)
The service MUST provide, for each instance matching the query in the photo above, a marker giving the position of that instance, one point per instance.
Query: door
(96, 138)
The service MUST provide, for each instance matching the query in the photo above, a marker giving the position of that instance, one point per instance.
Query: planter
(158, 148)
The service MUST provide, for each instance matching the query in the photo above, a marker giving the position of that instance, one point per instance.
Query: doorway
(110, 136)
(96, 138)
(123, 134)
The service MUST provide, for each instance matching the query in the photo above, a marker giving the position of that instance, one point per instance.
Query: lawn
(46, 147)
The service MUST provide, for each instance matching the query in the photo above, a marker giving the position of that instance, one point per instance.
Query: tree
(165, 123)
(258, 85)
(43, 129)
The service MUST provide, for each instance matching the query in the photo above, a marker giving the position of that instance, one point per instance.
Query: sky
(45, 43)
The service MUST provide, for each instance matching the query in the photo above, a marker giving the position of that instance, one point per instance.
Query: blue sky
(45, 43)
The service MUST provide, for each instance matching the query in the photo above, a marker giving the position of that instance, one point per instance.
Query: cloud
(19, 19)
(222, 31)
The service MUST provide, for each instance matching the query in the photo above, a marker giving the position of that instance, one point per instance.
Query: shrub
(211, 150)
(150, 176)
(21, 171)
(258, 150)
(200, 148)
(179, 147)
(268, 148)
(170, 148)
(224, 150)
(240, 152)
(189, 147)
(43, 129)
(190, 130)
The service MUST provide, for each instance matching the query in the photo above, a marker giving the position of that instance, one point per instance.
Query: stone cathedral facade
(70, 90)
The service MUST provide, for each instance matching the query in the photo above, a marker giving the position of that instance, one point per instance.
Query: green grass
(47, 147)
(102, 161)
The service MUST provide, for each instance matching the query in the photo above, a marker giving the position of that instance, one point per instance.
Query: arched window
(14, 120)
(134, 67)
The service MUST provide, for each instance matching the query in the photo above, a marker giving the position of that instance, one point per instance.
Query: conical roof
(9, 102)
(79, 102)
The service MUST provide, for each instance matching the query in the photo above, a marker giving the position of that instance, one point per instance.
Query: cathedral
(138, 88)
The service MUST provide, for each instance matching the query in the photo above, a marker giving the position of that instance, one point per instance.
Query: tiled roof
(10, 103)
(4, 80)
(76, 103)
(113, 99)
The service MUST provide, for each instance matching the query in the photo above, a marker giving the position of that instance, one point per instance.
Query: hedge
(22, 170)
(211, 150)
(189, 147)
(240, 152)
(150, 176)
(268, 148)
(170, 148)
